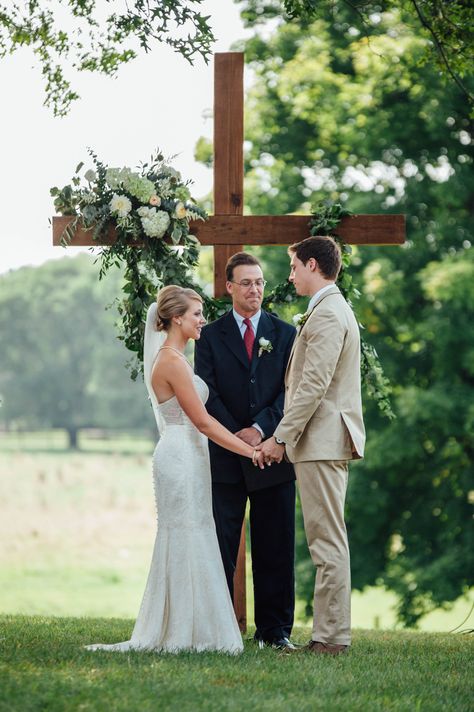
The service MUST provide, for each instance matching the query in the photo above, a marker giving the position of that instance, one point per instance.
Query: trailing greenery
(326, 218)
(43, 665)
(324, 222)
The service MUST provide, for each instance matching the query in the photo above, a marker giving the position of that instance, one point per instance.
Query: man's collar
(254, 319)
(318, 294)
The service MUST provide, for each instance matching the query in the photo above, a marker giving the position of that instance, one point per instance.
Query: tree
(447, 25)
(61, 365)
(335, 115)
(99, 42)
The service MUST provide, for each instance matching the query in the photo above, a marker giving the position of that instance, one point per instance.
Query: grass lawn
(43, 667)
(77, 532)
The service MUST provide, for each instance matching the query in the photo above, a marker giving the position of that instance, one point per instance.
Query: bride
(186, 604)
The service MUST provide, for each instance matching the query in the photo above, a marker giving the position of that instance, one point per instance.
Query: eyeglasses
(247, 283)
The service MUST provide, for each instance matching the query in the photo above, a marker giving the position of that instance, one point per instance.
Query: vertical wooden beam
(228, 150)
(229, 200)
(228, 133)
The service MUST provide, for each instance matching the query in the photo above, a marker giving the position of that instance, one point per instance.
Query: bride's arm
(178, 376)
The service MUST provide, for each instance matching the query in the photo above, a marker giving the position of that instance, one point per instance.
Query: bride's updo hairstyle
(172, 301)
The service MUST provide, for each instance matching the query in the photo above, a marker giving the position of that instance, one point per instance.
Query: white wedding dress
(186, 604)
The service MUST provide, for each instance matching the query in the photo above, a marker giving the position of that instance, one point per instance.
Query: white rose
(263, 342)
(297, 318)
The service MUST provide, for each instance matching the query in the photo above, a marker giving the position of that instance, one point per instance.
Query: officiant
(243, 357)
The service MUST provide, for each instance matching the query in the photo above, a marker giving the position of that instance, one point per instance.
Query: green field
(77, 531)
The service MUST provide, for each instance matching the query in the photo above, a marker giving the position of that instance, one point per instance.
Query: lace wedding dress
(186, 604)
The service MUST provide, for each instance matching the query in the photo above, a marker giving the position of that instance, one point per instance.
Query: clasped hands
(267, 451)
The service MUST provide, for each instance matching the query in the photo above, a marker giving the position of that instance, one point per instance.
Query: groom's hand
(251, 436)
(272, 452)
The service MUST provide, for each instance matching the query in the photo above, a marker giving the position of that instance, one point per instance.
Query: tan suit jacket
(323, 409)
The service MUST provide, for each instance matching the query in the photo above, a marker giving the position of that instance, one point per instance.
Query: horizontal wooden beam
(287, 229)
(267, 230)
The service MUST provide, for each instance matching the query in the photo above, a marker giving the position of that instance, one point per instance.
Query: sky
(157, 101)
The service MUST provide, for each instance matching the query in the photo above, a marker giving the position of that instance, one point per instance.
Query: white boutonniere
(265, 345)
(300, 320)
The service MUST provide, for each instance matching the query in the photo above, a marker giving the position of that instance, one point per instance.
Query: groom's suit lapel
(334, 290)
(267, 330)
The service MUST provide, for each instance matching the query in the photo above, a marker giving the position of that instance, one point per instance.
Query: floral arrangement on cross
(150, 209)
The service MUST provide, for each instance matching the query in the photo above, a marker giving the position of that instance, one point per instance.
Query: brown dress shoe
(315, 646)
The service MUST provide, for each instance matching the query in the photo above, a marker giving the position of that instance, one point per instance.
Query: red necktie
(249, 338)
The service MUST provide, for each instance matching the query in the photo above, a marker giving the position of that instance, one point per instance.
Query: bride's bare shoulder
(170, 363)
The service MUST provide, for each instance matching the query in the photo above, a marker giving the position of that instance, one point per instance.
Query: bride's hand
(257, 459)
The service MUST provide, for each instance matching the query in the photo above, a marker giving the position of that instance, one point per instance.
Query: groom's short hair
(240, 258)
(324, 249)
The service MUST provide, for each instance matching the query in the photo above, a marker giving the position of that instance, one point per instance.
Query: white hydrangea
(120, 205)
(154, 222)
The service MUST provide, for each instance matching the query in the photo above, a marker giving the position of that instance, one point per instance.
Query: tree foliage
(100, 40)
(447, 26)
(61, 365)
(367, 122)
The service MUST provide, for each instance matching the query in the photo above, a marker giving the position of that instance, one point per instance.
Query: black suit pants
(272, 537)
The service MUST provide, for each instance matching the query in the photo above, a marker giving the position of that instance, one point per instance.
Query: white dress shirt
(243, 328)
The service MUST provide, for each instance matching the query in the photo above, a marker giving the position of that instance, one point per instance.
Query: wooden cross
(228, 229)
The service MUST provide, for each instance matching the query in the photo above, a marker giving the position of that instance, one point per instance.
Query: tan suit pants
(322, 487)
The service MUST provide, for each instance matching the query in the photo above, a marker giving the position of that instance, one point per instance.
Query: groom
(322, 430)
(246, 393)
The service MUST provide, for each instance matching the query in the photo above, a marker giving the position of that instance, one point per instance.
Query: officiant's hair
(324, 249)
(240, 258)
(172, 301)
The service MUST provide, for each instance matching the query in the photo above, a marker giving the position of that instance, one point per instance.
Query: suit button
(252, 380)
(252, 405)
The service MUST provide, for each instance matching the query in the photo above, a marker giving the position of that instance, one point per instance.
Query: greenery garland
(153, 203)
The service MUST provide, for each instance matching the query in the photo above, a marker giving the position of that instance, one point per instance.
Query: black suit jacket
(242, 393)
